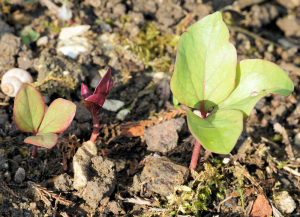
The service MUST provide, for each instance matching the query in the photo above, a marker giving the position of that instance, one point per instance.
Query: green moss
(196, 197)
(150, 46)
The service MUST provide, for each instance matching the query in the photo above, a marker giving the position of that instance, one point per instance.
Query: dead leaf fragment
(261, 207)
(130, 130)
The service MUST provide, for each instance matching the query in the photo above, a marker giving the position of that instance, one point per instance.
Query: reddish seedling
(30, 116)
(95, 101)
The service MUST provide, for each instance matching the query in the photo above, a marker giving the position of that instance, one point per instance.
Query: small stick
(5, 187)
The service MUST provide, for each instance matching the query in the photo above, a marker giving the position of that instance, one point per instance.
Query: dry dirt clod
(136, 184)
(94, 176)
(284, 202)
(82, 163)
(163, 137)
(115, 207)
(161, 175)
(102, 181)
(63, 183)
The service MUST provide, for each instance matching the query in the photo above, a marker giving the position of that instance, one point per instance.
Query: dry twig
(6, 188)
(44, 194)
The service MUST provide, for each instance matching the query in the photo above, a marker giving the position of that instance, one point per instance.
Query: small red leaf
(105, 84)
(95, 101)
(85, 91)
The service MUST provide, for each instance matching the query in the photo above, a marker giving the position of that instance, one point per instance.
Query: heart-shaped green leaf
(58, 116)
(29, 109)
(219, 131)
(254, 80)
(47, 140)
(205, 67)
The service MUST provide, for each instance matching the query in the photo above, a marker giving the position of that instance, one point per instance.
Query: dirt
(128, 172)
(160, 176)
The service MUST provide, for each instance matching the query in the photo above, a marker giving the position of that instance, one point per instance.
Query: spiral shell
(12, 81)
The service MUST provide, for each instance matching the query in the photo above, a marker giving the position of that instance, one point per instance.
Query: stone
(20, 175)
(82, 163)
(163, 137)
(112, 105)
(42, 41)
(160, 175)
(284, 202)
(122, 114)
(297, 139)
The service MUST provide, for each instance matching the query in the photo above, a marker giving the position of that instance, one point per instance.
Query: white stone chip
(113, 105)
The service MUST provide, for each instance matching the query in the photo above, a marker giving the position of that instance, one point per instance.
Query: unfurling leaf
(95, 101)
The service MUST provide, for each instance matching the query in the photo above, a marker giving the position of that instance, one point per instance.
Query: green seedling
(208, 78)
(29, 35)
(30, 116)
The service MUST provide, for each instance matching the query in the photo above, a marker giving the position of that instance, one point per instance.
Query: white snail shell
(12, 81)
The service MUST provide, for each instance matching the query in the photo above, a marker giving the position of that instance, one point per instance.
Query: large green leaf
(219, 131)
(58, 116)
(29, 109)
(254, 80)
(47, 140)
(205, 67)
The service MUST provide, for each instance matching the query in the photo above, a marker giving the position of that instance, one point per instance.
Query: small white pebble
(42, 41)
(122, 114)
(226, 160)
(297, 139)
(113, 105)
(66, 72)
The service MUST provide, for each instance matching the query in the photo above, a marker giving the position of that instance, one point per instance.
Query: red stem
(96, 128)
(195, 155)
(34, 151)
